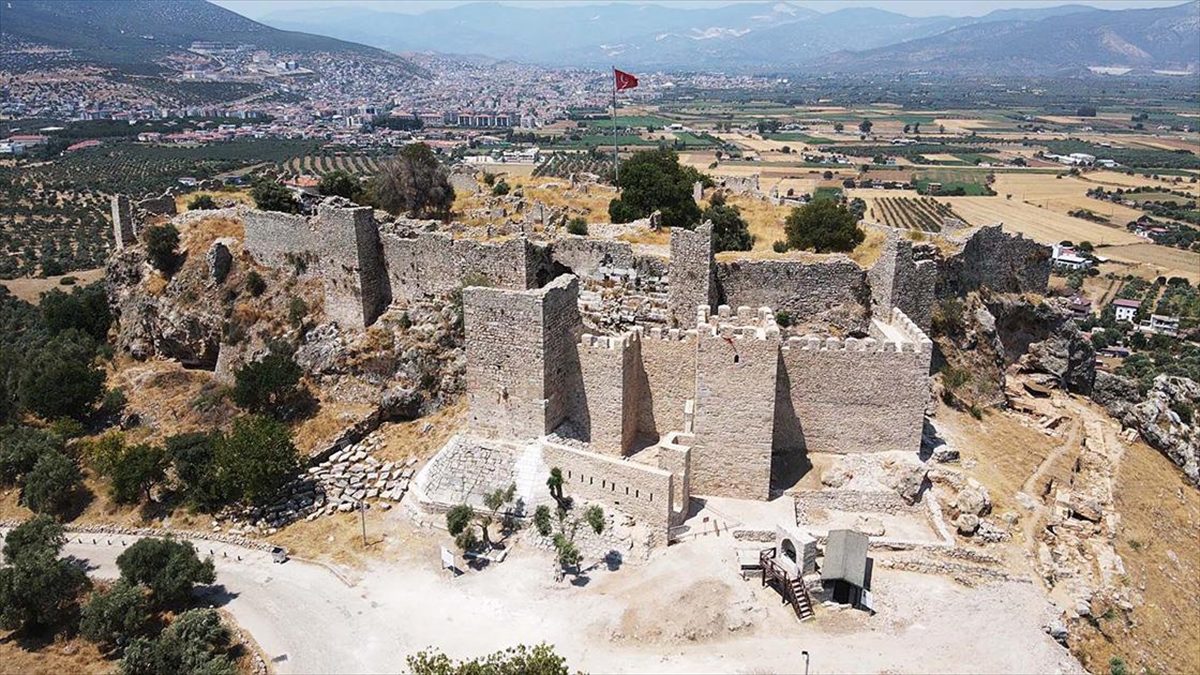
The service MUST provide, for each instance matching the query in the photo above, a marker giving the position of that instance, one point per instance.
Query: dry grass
(31, 290)
(1060, 195)
(1041, 224)
(660, 237)
(63, 655)
(315, 433)
(239, 196)
(1156, 260)
(1160, 517)
(201, 234)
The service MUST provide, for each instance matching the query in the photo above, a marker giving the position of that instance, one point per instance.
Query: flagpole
(616, 151)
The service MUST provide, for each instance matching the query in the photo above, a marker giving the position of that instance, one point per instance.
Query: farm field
(1042, 225)
(1060, 195)
(317, 165)
(1164, 260)
(924, 214)
(1119, 179)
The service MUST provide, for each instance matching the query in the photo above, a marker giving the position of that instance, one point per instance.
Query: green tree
(730, 231)
(169, 568)
(162, 247)
(195, 643)
(414, 182)
(113, 617)
(338, 183)
(20, 448)
(555, 483)
(501, 188)
(824, 226)
(269, 195)
(459, 518)
(654, 180)
(193, 458)
(60, 380)
(84, 309)
(519, 660)
(255, 458)
(37, 588)
(541, 520)
(201, 203)
(51, 484)
(135, 472)
(865, 126)
(269, 384)
(569, 556)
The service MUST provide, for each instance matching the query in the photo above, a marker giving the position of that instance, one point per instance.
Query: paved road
(301, 614)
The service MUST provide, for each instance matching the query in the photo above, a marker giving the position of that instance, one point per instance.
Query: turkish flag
(624, 80)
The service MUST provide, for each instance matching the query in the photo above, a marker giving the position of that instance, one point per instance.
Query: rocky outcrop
(1165, 416)
(159, 325)
(1042, 338)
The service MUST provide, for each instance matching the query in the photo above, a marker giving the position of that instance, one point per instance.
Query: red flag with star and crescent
(624, 80)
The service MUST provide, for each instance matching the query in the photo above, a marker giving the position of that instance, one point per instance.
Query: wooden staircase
(791, 587)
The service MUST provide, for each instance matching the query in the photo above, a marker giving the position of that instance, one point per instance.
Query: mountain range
(778, 37)
(130, 32)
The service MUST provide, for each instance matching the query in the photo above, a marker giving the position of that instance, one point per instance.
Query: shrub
(162, 247)
(20, 448)
(60, 380)
(501, 188)
(195, 643)
(540, 660)
(779, 246)
(114, 617)
(255, 283)
(414, 182)
(594, 515)
(255, 458)
(653, 180)
(193, 458)
(541, 520)
(114, 402)
(169, 568)
(134, 472)
(783, 318)
(201, 203)
(577, 225)
(458, 519)
(730, 232)
(37, 588)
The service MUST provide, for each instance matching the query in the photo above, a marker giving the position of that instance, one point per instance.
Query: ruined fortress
(696, 389)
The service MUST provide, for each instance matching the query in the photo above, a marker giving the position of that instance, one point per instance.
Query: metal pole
(362, 513)
(805, 654)
(616, 151)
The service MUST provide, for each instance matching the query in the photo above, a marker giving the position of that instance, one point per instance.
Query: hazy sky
(259, 8)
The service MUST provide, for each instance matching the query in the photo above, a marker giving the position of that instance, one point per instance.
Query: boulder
(835, 477)
(967, 523)
(401, 404)
(973, 499)
(220, 261)
(906, 476)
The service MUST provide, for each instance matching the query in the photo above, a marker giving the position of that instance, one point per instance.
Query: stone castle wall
(805, 290)
(854, 395)
(691, 272)
(608, 407)
(514, 340)
(668, 366)
(735, 409)
(352, 265)
(899, 281)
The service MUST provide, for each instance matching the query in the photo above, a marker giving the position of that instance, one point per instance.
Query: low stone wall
(641, 491)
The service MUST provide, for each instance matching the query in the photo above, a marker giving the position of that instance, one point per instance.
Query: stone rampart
(805, 290)
(691, 273)
(644, 492)
(522, 359)
(592, 257)
(275, 239)
(352, 265)
(899, 281)
(668, 366)
(607, 413)
(124, 231)
(854, 395)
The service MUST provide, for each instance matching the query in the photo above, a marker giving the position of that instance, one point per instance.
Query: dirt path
(1034, 486)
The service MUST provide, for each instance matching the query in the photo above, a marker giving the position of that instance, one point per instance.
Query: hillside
(1140, 39)
(137, 31)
